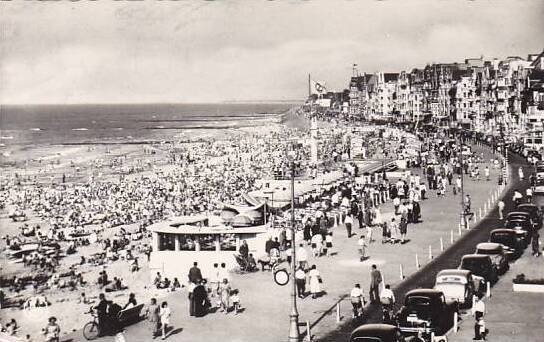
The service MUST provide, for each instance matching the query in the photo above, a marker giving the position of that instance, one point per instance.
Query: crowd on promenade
(199, 178)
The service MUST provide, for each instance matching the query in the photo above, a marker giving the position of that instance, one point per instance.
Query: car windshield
(477, 267)
(486, 251)
(504, 238)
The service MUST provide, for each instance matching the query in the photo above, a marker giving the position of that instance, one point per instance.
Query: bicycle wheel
(90, 331)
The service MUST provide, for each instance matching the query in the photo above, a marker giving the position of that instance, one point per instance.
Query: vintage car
(458, 285)
(523, 227)
(481, 266)
(510, 239)
(519, 215)
(539, 186)
(426, 311)
(376, 333)
(534, 212)
(498, 255)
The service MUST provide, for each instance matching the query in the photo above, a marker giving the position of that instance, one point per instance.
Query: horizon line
(151, 103)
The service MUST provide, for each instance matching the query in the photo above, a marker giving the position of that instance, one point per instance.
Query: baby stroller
(242, 263)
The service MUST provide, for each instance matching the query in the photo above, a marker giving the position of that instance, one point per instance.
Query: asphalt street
(450, 258)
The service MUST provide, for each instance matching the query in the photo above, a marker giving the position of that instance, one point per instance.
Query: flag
(318, 87)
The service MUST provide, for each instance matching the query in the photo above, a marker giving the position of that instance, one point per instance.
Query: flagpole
(309, 87)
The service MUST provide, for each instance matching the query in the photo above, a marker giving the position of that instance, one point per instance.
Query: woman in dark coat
(200, 298)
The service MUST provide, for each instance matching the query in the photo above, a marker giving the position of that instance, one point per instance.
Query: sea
(126, 123)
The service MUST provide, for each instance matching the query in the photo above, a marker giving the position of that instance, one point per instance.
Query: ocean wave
(6, 137)
(36, 129)
(80, 129)
(118, 128)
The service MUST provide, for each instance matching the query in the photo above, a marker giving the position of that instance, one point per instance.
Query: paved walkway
(511, 316)
(267, 305)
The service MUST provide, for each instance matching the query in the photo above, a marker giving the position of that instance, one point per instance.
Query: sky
(214, 51)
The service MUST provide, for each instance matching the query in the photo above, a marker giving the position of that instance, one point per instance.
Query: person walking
(361, 247)
(315, 281)
(195, 276)
(486, 172)
(164, 314)
(529, 195)
(153, 317)
(349, 224)
(357, 301)
(535, 243)
(375, 281)
(225, 290)
(300, 277)
(501, 206)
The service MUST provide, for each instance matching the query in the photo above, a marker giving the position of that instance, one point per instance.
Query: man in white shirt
(478, 309)
(357, 300)
(529, 194)
(517, 197)
(396, 204)
(302, 256)
(387, 297)
(349, 224)
(501, 209)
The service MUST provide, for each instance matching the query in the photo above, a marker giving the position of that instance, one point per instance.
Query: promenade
(267, 305)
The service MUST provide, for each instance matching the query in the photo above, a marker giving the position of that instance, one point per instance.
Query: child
(235, 301)
(52, 330)
(361, 245)
(224, 292)
(164, 314)
(328, 244)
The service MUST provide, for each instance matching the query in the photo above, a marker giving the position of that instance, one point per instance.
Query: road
(450, 258)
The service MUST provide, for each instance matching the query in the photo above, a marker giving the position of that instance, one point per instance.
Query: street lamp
(294, 333)
(463, 217)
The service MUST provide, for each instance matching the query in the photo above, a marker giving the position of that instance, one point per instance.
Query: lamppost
(294, 333)
(463, 217)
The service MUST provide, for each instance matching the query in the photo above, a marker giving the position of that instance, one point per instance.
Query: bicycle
(91, 330)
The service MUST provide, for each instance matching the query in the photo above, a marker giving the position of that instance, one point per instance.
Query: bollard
(451, 236)
(480, 212)
(335, 220)
(401, 271)
(468, 225)
(417, 262)
(473, 300)
(488, 290)
(459, 229)
(455, 318)
(308, 333)
(485, 207)
(441, 245)
(338, 312)
(430, 252)
(432, 336)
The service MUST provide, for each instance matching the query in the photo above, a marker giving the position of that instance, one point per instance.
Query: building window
(167, 242)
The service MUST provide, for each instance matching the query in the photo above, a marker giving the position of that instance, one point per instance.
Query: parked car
(376, 333)
(539, 186)
(498, 255)
(426, 311)
(520, 215)
(458, 285)
(523, 227)
(534, 212)
(481, 266)
(509, 238)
